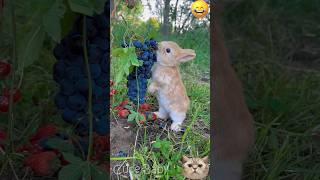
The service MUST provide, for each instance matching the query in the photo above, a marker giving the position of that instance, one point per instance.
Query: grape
(101, 42)
(153, 43)
(100, 126)
(137, 44)
(66, 87)
(74, 73)
(102, 80)
(92, 30)
(137, 79)
(94, 54)
(105, 63)
(95, 70)
(60, 101)
(82, 85)
(77, 102)
(98, 109)
(70, 72)
(59, 51)
(69, 115)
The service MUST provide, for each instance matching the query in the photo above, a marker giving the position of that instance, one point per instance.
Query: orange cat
(167, 84)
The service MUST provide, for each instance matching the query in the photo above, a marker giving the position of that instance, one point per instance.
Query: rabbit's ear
(186, 55)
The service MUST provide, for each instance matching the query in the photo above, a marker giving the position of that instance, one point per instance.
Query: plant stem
(90, 114)
(13, 65)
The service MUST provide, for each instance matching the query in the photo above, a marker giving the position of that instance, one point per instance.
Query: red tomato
(113, 92)
(3, 135)
(144, 107)
(16, 94)
(154, 116)
(123, 103)
(111, 83)
(5, 68)
(123, 113)
(118, 108)
(4, 104)
(40, 163)
(44, 132)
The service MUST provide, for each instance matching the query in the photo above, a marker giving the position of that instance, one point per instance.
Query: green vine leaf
(124, 59)
(51, 20)
(131, 118)
(99, 6)
(85, 7)
(71, 171)
(98, 173)
(72, 158)
(30, 46)
(61, 145)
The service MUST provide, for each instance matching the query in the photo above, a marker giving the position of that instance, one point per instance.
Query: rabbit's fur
(166, 82)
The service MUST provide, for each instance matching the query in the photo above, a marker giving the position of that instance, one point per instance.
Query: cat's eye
(168, 50)
(199, 165)
(189, 165)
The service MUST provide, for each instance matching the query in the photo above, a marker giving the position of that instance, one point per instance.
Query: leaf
(124, 59)
(157, 144)
(61, 145)
(67, 20)
(72, 158)
(51, 20)
(87, 170)
(85, 7)
(99, 6)
(140, 117)
(176, 157)
(71, 171)
(131, 118)
(98, 173)
(128, 107)
(29, 47)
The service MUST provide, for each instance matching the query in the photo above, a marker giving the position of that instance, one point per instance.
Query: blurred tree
(166, 21)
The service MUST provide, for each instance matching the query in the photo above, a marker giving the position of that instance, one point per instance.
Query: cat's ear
(205, 159)
(184, 159)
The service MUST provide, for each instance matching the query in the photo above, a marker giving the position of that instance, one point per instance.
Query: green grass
(263, 37)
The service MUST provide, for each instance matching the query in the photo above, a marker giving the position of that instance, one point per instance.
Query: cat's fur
(232, 123)
(195, 168)
(166, 82)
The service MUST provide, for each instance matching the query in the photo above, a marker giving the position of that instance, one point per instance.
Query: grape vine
(70, 73)
(138, 78)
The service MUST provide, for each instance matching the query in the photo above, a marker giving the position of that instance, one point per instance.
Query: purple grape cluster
(138, 78)
(71, 74)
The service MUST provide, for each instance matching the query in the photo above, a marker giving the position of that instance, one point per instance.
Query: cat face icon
(195, 168)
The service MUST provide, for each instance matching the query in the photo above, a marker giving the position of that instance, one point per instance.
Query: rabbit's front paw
(152, 89)
(176, 127)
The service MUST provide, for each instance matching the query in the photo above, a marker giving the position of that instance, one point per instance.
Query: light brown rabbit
(232, 123)
(167, 84)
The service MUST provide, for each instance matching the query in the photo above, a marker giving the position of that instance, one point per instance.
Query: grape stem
(138, 96)
(13, 64)
(90, 114)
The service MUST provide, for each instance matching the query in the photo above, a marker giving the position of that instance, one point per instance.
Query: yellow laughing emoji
(199, 8)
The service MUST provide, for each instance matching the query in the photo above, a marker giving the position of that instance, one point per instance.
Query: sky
(147, 13)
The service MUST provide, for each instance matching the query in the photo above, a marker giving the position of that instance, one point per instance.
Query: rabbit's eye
(168, 50)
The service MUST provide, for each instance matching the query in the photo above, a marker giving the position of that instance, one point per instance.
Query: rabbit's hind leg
(177, 120)
(162, 113)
